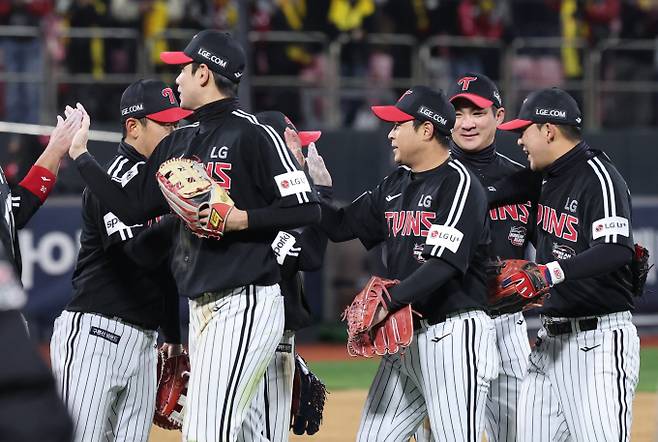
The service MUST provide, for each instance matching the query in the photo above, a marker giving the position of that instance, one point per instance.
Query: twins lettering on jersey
(562, 225)
(516, 212)
(409, 223)
(218, 171)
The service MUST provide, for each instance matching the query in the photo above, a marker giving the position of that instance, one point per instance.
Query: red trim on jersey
(39, 181)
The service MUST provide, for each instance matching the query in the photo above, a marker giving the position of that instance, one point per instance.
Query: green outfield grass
(358, 373)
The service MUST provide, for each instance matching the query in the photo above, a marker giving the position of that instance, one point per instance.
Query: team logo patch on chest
(104, 334)
(517, 235)
(418, 253)
(560, 251)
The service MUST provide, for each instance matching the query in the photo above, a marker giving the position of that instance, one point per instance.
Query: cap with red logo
(216, 49)
(279, 122)
(152, 99)
(423, 104)
(552, 105)
(476, 88)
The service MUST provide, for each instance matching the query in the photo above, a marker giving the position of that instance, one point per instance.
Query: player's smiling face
(533, 142)
(404, 139)
(475, 128)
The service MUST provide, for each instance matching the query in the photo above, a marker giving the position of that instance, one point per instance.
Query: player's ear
(203, 74)
(499, 115)
(551, 131)
(428, 131)
(133, 127)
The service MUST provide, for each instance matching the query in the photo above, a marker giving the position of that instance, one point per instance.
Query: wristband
(39, 181)
(555, 271)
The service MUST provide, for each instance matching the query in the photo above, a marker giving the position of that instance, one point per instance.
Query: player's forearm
(598, 260)
(421, 284)
(313, 243)
(283, 218)
(335, 224)
(170, 326)
(128, 209)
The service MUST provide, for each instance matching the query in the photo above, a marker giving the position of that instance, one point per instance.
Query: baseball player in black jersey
(584, 368)
(296, 251)
(236, 309)
(479, 110)
(27, 388)
(431, 214)
(103, 349)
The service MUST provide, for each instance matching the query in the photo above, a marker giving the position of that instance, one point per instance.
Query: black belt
(561, 328)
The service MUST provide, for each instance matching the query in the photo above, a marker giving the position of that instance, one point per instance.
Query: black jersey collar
(130, 152)
(215, 110)
(481, 158)
(568, 160)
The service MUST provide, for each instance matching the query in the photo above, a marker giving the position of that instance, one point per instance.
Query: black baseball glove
(640, 269)
(308, 397)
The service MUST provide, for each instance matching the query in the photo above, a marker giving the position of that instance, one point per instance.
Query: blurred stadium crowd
(36, 43)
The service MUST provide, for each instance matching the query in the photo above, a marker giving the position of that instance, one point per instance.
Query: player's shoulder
(599, 170)
(254, 131)
(461, 179)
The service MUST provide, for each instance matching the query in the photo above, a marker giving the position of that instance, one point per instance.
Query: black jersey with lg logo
(245, 157)
(440, 213)
(584, 201)
(512, 224)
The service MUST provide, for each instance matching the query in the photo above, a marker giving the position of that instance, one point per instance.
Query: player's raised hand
(62, 136)
(81, 136)
(316, 167)
(295, 145)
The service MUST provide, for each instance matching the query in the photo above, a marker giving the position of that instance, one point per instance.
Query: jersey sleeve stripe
(458, 202)
(510, 160)
(280, 146)
(605, 192)
(116, 161)
(611, 190)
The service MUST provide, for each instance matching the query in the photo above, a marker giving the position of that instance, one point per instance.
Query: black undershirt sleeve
(151, 246)
(282, 218)
(170, 326)
(600, 259)
(334, 223)
(421, 284)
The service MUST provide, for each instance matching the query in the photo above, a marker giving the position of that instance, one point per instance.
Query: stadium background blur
(324, 63)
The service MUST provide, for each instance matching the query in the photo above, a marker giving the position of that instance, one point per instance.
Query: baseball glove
(308, 397)
(173, 374)
(516, 285)
(189, 190)
(640, 269)
(367, 339)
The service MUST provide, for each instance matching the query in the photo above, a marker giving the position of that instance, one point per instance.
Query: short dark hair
(444, 140)
(142, 121)
(225, 86)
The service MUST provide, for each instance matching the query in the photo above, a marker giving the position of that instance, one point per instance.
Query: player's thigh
(598, 380)
(458, 359)
(268, 417)
(395, 407)
(501, 409)
(233, 351)
(540, 416)
(135, 407)
(513, 344)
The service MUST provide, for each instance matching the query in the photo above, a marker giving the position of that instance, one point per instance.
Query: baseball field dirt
(344, 407)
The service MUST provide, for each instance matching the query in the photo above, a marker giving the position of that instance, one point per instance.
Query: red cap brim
(391, 114)
(175, 58)
(480, 102)
(515, 125)
(171, 115)
(309, 136)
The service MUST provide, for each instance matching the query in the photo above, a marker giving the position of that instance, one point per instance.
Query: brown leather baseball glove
(173, 374)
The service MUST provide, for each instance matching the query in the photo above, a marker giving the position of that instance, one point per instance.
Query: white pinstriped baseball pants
(233, 337)
(580, 386)
(269, 414)
(106, 375)
(445, 375)
(514, 351)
